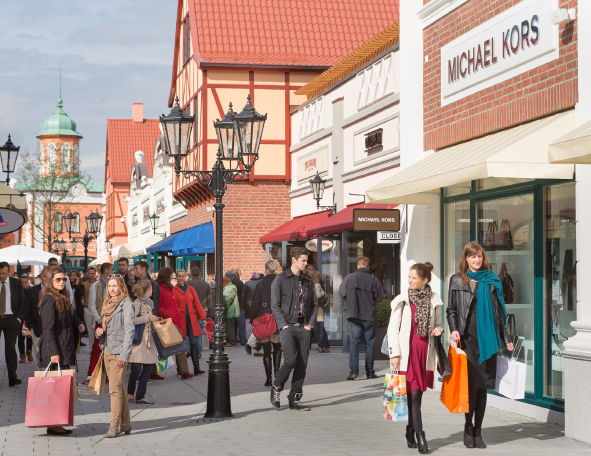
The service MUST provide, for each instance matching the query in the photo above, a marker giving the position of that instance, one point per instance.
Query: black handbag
(443, 366)
(139, 330)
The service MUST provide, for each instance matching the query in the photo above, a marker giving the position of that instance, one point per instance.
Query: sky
(112, 53)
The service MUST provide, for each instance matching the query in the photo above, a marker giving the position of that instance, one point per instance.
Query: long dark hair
(164, 276)
(62, 297)
(471, 248)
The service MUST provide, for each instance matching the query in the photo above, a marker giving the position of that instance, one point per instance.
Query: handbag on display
(490, 236)
(508, 285)
(49, 400)
(511, 374)
(167, 333)
(504, 238)
(454, 390)
(264, 326)
(395, 399)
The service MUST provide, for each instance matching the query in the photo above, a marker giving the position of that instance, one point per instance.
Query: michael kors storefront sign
(517, 40)
(376, 220)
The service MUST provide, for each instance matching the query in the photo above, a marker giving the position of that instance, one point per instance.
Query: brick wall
(251, 211)
(536, 93)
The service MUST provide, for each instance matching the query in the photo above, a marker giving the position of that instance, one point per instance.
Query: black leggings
(267, 348)
(415, 419)
(479, 409)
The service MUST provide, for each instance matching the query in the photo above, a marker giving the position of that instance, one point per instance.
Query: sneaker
(248, 349)
(275, 397)
(296, 404)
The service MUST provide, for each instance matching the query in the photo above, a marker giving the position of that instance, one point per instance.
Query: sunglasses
(114, 276)
(60, 279)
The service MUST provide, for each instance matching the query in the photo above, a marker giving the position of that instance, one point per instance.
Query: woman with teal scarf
(476, 317)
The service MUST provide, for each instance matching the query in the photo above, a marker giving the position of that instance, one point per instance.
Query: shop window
(160, 207)
(146, 214)
(457, 233)
(76, 224)
(505, 228)
(58, 222)
(560, 293)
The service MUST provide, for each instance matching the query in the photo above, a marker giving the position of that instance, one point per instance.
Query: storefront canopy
(342, 220)
(519, 152)
(574, 147)
(296, 228)
(132, 248)
(196, 240)
(165, 245)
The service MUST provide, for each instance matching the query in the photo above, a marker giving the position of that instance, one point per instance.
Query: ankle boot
(275, 396)
(410, 436)
(422, 443)
(276, 362)
(195, 359)
(268, 368)
(478, 442)
(469, 435)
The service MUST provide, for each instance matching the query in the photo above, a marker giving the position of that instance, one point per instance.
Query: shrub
(383, 311)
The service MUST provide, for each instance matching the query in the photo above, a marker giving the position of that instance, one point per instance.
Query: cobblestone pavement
(345, 419)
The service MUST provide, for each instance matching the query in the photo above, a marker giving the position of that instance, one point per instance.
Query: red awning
(295, 229)
(342, 220)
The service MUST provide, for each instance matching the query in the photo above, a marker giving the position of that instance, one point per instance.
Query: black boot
(296, 404)
(410, 436)
(422, 443)
(275, 397)
(478, 442)
(196, 369)
(469, 435)
(276, 361)
(268, 369)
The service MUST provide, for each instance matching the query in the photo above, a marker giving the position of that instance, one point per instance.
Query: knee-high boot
(276, 361)
(195, 358)
(268, 369)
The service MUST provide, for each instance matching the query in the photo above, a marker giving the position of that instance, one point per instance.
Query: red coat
(168, 306)
(189, 301)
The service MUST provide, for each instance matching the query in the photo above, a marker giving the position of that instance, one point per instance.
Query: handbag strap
(59, 369)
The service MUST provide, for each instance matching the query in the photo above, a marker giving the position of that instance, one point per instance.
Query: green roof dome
(59, 123)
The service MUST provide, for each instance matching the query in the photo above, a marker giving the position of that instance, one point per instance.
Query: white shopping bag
(510, 378)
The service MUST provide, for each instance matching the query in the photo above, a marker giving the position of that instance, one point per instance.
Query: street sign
(10, 220)
(389, 237)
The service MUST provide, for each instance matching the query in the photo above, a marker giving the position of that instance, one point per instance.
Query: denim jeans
(321, 336)
(139, 373)
(194, 341)
(361, 329)
(242, 327)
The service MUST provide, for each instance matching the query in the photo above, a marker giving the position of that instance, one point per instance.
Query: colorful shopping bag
(454, 390)
(164, 363)
(49, 401)
(395, 400)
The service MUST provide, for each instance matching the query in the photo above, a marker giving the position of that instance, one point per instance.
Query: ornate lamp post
(8, 156)
(93, 228)
(154, 224)
(317, 184)
(239, 136)
(60, 245)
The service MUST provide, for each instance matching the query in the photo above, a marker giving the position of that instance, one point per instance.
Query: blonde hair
(122, 288)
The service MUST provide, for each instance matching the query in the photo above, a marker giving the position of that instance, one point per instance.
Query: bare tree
(49, 195)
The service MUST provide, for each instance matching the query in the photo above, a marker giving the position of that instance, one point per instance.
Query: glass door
(505, 228)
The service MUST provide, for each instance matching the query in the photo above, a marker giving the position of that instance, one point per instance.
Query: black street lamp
(8, 156)
(317, 184)
(60, 244)
(239, 136)
(154, 224)
(93, 228)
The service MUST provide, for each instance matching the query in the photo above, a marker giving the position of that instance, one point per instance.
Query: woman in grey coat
(116, 338)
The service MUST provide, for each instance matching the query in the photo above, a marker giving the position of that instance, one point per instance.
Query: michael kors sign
(517, 40)
(376, 220)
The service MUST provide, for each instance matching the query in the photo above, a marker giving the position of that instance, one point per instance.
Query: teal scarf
(489, 340)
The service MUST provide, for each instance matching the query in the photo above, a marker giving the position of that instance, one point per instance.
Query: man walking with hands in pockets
(294, 306)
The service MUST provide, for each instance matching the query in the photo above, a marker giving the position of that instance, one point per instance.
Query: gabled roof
(277, 33)
(124, 138)
(360, 57)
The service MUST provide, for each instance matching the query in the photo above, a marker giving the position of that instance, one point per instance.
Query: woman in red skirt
(416, 320)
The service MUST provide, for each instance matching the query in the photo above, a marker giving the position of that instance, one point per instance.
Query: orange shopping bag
(454, 391)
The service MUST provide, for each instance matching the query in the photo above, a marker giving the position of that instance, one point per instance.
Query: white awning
(519, 152)
(574, 147)
(133, 248)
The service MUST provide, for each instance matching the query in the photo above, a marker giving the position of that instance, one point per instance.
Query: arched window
(66, 159)
(76, 224)
(52, 157)
(58, 222)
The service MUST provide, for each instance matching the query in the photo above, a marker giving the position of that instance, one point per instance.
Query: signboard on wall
(10, 220)
(389, 237)
(310, 164)
(376, 220)
(513, 42)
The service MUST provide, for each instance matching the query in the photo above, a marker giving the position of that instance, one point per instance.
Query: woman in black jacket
(476, 317)
(60, 323)
(261, 305)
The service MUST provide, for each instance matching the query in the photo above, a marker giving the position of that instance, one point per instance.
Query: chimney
(137, 112)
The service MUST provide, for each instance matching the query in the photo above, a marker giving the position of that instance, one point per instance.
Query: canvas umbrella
(26, 256)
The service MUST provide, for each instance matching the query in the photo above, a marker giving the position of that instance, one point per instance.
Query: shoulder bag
(139, 330)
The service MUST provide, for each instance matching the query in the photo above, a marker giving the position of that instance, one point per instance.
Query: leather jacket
(285, 295)
(458, 307)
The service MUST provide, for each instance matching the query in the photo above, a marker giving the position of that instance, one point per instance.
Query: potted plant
(383, 311)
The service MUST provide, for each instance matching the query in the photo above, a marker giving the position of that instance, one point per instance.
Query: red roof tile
(124, 138)
(285, 32)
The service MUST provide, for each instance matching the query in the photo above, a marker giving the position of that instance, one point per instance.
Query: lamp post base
(218, 388)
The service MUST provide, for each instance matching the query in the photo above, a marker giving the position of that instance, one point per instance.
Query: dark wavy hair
(423, 270)
(62, 297)
(164, 276)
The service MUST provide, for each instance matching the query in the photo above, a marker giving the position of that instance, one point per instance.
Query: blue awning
(165, 245)
(196, 240)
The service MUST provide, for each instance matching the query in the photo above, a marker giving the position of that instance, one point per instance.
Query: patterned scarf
(422, 301)
(109, 307)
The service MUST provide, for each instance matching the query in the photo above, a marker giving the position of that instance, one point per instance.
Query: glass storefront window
(330, 272)
(457, 233)
(560, 294)
(505, 228)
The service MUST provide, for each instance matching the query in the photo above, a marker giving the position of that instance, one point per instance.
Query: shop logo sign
(376, 220)
(517, 40)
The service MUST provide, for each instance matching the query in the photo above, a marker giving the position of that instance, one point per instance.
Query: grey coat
(118, 335)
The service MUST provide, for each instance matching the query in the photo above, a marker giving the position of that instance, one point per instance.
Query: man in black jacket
(361, 290)
(12, 301)
(31, 313)
(294, 306)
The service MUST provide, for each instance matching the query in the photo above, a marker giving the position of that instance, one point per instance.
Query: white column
(577, 352)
